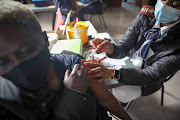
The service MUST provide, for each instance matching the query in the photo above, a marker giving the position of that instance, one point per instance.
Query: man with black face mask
(38, 86)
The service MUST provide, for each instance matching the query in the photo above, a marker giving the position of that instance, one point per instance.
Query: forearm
(154, 73)
(119, 52)
(114, 107)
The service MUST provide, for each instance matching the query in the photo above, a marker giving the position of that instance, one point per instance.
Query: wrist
(76, 91)
(80, 90)
(111, 50)
(111, 71)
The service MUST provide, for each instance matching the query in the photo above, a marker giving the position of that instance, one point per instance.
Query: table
(39, 9)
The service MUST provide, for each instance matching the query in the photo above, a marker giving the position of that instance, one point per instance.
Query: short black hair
(15, 14)
(152, 2)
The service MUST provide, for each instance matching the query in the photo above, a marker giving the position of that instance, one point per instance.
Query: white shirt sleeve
(8, 91)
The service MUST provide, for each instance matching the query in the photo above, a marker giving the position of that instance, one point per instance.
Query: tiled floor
(144, 108)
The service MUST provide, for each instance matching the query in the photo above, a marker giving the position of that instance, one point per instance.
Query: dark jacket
(163, 63)
(46, 104)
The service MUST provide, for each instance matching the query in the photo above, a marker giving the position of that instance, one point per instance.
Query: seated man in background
(65, 6)
(152, 44)
(38, 86)
(93, 7)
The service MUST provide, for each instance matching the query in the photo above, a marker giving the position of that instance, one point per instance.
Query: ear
(45, 37)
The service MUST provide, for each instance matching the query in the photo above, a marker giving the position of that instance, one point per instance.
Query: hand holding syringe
(102, 45)
(92, 54)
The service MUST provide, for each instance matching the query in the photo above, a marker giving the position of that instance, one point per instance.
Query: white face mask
(165, 14)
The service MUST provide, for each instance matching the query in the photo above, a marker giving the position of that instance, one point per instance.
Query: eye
(163, 1)
(25, 52)
(5, 61)
(176, 4)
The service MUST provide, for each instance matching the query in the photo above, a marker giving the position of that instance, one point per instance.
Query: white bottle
(76, 34)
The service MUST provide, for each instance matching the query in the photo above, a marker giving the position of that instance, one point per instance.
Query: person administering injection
(153, 41)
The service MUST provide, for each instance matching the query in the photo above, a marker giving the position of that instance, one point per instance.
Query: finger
(97, 80)
(94, 81)
(103, 50)
(67, 73)
(82, 61)
(103, 44)
(89, 64)
(76, 67)
(96, 70)
(88, 68)
(98, 75)
(95, 42)
(100, 80)
(99, 51)
(93, 61)
(106, 45)
(83, 70)
(102, 47)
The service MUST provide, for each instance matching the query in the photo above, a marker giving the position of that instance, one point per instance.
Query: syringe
(92, 54)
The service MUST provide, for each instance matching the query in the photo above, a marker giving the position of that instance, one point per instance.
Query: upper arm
(71, 60)
(67, 61)
(130, 37)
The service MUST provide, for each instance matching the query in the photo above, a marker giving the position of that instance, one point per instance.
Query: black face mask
(32, 73)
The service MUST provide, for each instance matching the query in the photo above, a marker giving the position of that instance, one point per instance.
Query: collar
(165, 28)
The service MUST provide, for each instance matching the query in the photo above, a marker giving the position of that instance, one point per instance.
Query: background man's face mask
(31, 73)
(165, 14)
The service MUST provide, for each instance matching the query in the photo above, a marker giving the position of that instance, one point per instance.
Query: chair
(98, 12)
(162, 89)
(127, 105)
(108, 4)
(100, 15)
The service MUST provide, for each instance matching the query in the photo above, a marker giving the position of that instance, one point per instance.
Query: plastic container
(52, 38)
(82, 29)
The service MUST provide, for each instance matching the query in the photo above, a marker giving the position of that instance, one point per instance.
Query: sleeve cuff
(78, 92)
(121, 75)
(114, 53)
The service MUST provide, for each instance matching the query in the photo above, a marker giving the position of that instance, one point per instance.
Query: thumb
(67, 73)
(103, 45)
(92, 44)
